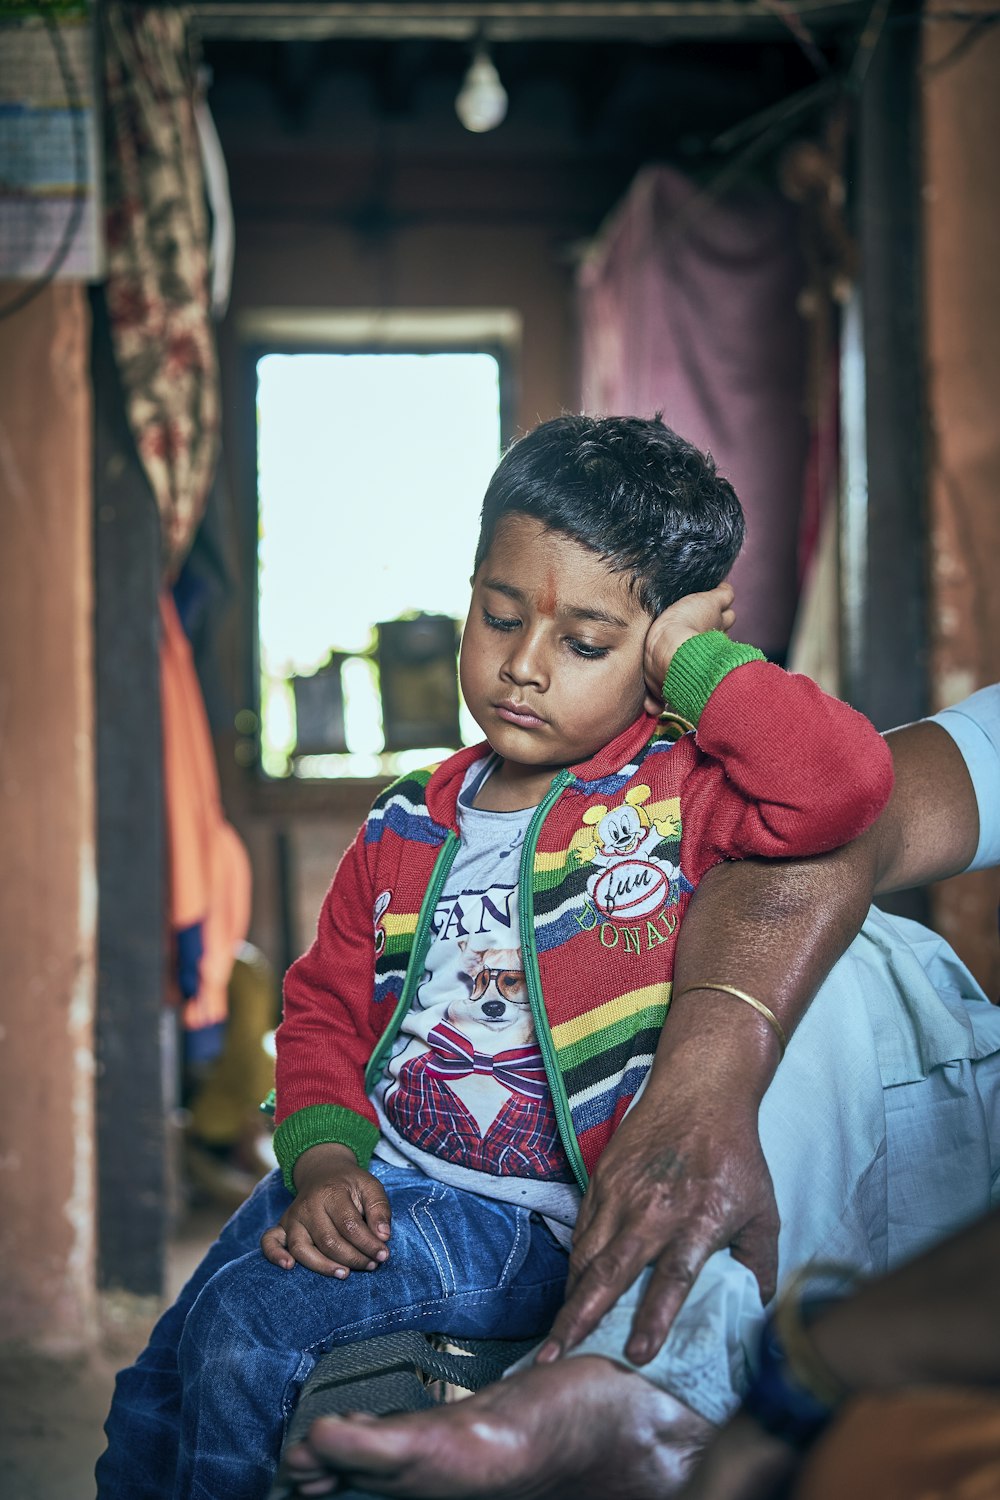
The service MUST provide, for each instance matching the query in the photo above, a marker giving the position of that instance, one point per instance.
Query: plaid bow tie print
(519, 1069)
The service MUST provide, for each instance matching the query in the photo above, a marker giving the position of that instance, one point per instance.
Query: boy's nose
(526, 665)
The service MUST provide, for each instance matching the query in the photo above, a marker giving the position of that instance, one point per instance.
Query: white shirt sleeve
(974, 725)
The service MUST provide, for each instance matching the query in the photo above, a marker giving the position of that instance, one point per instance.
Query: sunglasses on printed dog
(509, 982)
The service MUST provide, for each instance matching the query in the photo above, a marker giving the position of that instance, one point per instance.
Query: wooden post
(884, 552)
(134, 1094)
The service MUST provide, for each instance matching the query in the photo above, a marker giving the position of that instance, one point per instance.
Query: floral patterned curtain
(158, 262)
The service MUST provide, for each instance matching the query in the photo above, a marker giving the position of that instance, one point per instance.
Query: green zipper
(529, 957)
(414, 969)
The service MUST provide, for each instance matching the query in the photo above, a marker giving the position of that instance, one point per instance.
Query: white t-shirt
(464, 1095)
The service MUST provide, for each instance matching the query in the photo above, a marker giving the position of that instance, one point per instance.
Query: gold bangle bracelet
(758, 1006)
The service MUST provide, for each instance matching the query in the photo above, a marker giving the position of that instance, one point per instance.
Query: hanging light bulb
(482, 100)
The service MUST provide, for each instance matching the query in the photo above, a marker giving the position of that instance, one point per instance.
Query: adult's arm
(933, 831)
(684, 1175)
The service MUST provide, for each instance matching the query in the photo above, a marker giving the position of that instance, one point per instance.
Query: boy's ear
(595, 814)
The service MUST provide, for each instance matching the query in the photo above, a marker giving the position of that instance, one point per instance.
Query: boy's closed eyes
(580, 647)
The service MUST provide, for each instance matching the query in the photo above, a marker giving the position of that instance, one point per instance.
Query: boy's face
(551, 661)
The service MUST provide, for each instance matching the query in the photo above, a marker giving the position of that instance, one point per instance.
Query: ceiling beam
(523, 20)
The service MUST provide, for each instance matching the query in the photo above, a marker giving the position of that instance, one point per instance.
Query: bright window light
(371, 473)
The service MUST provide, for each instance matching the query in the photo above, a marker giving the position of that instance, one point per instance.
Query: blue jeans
(201, 1414)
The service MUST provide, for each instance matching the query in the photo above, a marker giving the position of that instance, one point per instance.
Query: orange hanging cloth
(209, 878)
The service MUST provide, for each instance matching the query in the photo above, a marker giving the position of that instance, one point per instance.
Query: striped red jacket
(775, 767)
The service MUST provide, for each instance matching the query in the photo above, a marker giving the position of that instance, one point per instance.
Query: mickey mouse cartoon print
(634, 875)
(381, 906)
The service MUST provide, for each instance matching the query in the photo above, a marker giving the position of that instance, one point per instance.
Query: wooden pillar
(883, 515)
(134, 1088)
(884, 511)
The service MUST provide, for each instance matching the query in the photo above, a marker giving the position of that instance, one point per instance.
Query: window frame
(492, 331)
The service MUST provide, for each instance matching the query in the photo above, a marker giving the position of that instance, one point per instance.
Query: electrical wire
(753, 137)
(794, 23)
(869, 39)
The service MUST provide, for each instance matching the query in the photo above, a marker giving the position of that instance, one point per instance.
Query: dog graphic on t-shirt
(479, 1074)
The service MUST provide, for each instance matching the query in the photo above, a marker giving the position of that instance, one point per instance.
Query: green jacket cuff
(697, 668)
(322, 1125)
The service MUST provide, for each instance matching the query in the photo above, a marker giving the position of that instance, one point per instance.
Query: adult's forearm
(773, 929)
(776, 928)
(684, 1174)
(930, 828)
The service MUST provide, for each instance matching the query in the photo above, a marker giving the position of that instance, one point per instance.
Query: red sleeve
(326, 1035)
(789, 771)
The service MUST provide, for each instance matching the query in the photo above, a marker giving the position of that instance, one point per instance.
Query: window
(371, 468)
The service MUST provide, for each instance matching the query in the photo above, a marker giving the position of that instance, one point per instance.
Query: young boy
(492, 964)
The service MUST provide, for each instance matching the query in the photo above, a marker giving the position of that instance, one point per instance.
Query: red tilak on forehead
(547, 595)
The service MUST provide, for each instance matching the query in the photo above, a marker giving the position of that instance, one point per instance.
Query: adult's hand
(682, 1177)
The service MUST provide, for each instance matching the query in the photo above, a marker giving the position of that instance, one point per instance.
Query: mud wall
(47, 888)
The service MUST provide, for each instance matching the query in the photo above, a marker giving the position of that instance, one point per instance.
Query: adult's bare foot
(584, 1425)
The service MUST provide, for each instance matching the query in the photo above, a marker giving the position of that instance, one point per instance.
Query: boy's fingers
(274, 1248)
(322, 1245)
(376, 1209)
(346, 1213)
(307, 1255)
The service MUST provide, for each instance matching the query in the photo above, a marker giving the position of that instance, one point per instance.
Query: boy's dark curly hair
(650, 503)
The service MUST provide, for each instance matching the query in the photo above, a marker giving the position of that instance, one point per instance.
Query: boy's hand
(340, 1219)
(689, 616)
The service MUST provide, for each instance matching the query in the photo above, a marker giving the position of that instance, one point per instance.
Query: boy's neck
(513, 787)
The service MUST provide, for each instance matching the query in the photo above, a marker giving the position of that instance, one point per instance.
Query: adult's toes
(379, 1445)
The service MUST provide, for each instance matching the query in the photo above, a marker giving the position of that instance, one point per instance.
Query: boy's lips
(519, 714)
